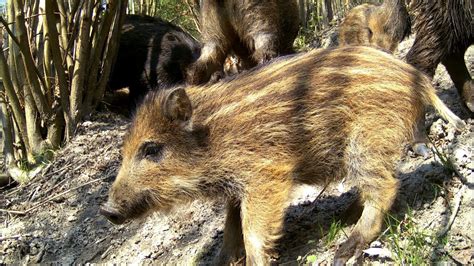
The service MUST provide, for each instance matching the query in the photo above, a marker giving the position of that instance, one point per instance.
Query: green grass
(328, 238)
(445, 160)
(303, 40)
(42, 158)
(26, 170)
(410, 244)
(334, 229)
(307, 259)
(311, 259)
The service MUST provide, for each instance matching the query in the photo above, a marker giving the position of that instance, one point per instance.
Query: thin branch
(13, 212)
(14, 237)
(457, 204)
(10, 33)
(195, 15)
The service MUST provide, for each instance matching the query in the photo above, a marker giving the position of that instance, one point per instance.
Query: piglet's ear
(177, 106)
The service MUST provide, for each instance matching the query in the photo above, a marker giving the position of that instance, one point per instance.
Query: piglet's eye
(151, 151)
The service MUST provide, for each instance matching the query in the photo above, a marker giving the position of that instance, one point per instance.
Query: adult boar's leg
(458, 72)
(262, 219)
(265, 47)
(217, 35)
(263, 33)
(209, 63)
(233, 244)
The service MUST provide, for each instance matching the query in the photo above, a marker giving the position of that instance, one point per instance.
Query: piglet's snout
(112, 213)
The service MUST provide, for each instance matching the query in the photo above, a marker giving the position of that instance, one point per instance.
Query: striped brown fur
(382, 26)
(312, 118)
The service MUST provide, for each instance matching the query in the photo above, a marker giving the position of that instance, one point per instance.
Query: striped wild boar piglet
(382, 26)
(313, 118)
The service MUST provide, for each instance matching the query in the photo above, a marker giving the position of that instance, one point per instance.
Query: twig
(64, 179)
(13, 237)
(106, 253)
(10, 33)
(45, 170)
(12, 191)
(61, 194)
(13, 211)
(457, 204)
(55, 186)
(57, 171)
(321, 192)
(33, 194)
(313, 205)
(29, 17)
(51, 198)
(195, 16)
(446, 162)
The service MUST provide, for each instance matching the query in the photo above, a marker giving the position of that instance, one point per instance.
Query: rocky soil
(57, 220)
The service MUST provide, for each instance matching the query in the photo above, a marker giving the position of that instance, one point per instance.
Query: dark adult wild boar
(444, 30)
(312, 118)
(256, 31)
(383, 26)
(152, 52)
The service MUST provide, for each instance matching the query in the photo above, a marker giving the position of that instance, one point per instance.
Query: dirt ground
(61, 223)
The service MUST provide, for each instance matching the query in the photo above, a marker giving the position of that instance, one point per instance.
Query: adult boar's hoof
(468, 95)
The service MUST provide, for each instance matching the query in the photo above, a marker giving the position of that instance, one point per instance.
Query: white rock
(378, 252)
(376, 244)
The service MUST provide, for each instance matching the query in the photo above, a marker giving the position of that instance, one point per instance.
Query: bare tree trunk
(82, 52)
(18, 113)
(7, 130)
(132, 7)
(302, 11)
(51, 35)
(111, 52)
(103, 36)
(32, 73)
(64, 43)
(330, 14)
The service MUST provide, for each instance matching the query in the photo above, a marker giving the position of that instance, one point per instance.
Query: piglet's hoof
(351, 248)
(227, 257)
(421, 149)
